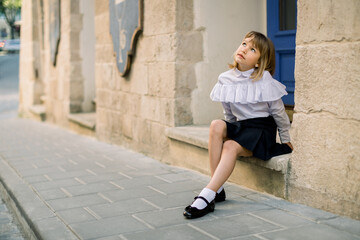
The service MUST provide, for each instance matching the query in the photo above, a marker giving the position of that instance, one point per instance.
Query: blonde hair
(267, 55)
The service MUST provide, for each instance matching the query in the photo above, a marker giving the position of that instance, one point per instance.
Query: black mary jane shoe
(220, 197)
(192, 212)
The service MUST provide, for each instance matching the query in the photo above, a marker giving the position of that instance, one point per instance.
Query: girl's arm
(229, 116)
(277, 110)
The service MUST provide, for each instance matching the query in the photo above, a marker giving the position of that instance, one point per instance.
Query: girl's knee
(236, 148)
(218, 127)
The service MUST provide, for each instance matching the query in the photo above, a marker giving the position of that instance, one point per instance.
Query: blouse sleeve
(277, 110)
(229, 116)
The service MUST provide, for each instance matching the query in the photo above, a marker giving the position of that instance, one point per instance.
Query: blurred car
(2, 44)
(12, 45)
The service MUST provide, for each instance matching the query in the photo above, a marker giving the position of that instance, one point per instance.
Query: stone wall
(326, 126)
(31, 86)
(135, 110)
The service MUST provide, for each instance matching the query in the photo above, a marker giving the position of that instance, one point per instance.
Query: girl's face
(247, 56)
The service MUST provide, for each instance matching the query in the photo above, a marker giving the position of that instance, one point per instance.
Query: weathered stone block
(127, 125)
(185, 79)
(182, 112)
(139, 78)
(102, 29)
(184, 15)
(189, 46)
(150, 108)
(162, 79)
(327, 21)
(165, 48)
(101, 7)
(159, 17)
(320, 86)
(105, 53)
(145, 49)
(103, 98)
(104, 75)
(76, 22)
(74, 6)
(327, 164)
(76, 91)
(167, 112)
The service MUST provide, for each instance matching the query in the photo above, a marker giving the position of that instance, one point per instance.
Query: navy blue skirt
(257, 135)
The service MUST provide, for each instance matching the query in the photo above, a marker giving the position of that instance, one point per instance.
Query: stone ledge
(87, 120)
(39, 111)
(199, 135)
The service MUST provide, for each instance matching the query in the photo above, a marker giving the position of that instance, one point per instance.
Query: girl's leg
(230, 151)
(217, 134)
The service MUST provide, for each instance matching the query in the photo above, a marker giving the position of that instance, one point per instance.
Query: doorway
(281, 29)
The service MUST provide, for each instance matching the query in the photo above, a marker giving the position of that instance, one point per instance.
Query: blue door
(281, 29)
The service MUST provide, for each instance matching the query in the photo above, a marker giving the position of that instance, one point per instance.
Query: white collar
(246, 74)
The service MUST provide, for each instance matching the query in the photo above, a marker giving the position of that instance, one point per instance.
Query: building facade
(69, 76)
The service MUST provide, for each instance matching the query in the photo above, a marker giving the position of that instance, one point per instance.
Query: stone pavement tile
(31, 204)
(174, 177)
(137, 192)
(139, 181)
(63, 174)
(125, 194)
(104, 177)
(115, 237)
(120, 208)
(169, 217)
(90, 188)
(181, 232)
(252, 237)
(235, 226)
(108, 227)
(75, 215)
(37, 171)
(36, 179)
(176, 187)
(238, 205)
(344, 224)
(298, 209)
(53, 228)
(180, 199)
(62, 183)
(282, 218)
(314, 231)
(76, 202)
(50, 194)
(238, 190)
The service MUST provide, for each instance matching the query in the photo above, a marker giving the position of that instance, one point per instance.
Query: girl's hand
(290, 145)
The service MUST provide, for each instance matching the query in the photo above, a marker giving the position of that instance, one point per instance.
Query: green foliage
(10, 8)
(11, 4)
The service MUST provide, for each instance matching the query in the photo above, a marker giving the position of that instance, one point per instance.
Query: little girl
(253, 111)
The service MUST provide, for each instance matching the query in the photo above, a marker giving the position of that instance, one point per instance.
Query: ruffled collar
(235, 86)
(245, 74)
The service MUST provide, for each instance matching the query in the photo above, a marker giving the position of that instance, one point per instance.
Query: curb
(34, 215)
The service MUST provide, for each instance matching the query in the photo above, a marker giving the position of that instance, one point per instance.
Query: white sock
(220, 189)
(206, 193)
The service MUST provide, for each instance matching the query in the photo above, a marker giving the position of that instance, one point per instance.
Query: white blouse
(242, 98)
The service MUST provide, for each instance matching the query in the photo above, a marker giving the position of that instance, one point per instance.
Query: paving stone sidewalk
(67, 186)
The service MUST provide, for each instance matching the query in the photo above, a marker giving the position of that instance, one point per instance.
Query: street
(9, 85)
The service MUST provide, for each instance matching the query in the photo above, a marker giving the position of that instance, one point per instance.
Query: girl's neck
(243, 70)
